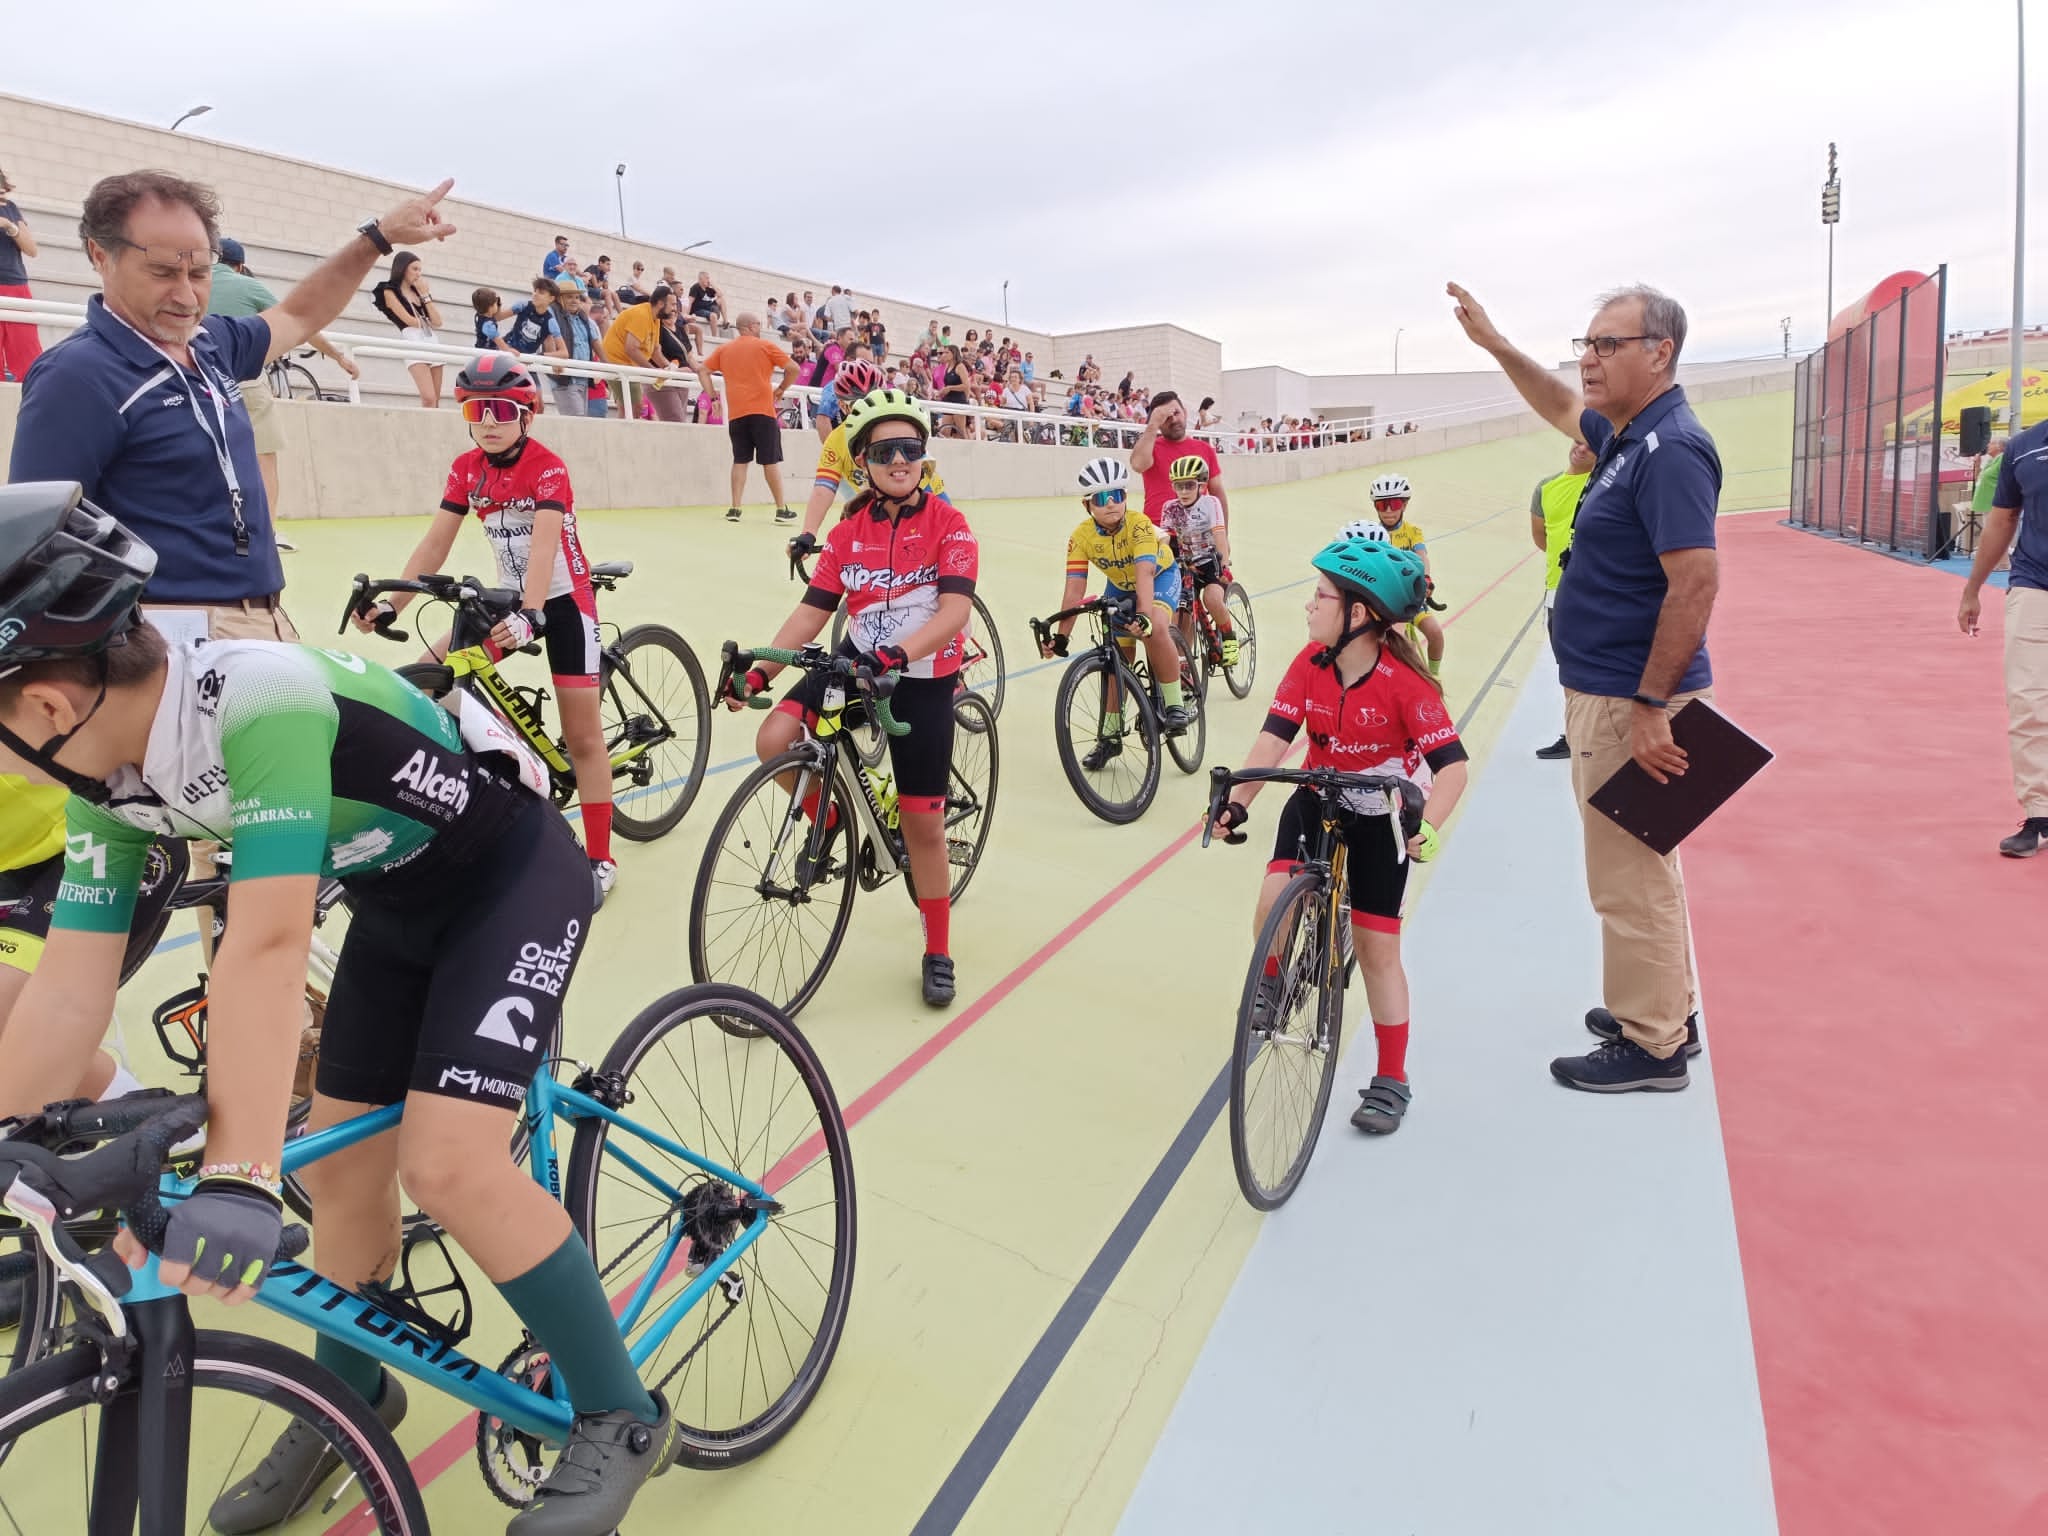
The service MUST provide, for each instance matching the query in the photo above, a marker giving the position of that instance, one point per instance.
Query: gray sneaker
(292, 1475)
(608, 1457)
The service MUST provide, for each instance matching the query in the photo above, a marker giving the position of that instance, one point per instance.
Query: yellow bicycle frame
(474, 661)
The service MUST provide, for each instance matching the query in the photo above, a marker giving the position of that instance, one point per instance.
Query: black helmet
(71, 577)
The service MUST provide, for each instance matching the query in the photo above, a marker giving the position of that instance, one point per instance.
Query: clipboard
(1721, 759)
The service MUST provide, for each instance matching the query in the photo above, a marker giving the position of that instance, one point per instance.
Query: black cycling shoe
(1173, 719)
(1107, 749)
(938, 980)
(1608, 1027)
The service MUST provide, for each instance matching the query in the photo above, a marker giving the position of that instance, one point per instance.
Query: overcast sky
(1295, 179)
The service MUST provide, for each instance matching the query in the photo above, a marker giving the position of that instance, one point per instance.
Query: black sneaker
(785, 515)
(1106, 749)
(2031, 838)
(1608, 1027)
(732, 514)
(938, 980)
(1620, 1066)
(1557, 749)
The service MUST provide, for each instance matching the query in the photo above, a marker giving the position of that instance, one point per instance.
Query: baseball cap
(232, 253)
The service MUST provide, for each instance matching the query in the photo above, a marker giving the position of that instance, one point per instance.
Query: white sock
(124, 1081)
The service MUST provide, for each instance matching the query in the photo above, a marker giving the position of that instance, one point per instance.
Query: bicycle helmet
(1104, 474)
(1392, 485)
(497, 375)
(1387, 580)
(1189, 466)
(878, 406)
(856, 378)
(1363, 528)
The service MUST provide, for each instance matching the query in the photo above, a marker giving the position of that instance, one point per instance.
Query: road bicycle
(656, 715)
(1106, 716)
(724, 1232)
(775, 891)
(1198, 627)
(289, 379)
(1283, 1056)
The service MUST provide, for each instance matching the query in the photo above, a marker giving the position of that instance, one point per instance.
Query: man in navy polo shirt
(142, 404)
(2019, 506)
(1629, 631)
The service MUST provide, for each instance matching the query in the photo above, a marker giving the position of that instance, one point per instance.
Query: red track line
(448, 1449)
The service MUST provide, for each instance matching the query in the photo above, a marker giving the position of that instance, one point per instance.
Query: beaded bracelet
(262, 1175)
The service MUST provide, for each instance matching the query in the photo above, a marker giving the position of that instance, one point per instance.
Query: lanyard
(218, 444)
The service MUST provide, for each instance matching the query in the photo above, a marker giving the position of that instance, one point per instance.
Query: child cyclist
(904, 561)
(1195, 523)
(1369, 707)
(1390, 497)
(518, 488)
(1125, 546)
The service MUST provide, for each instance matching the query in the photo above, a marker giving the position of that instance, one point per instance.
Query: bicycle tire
(1086, 672)
(989, 677)
(1254, 1055)
(971, 780)
(47, 1392)
(300, 383)
(1238, 603)
(777, 821)
(797, 1154)
(691, 735)
(1189, 746)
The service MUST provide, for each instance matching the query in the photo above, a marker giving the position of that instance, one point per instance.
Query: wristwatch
(370, 232)
(1649, 701)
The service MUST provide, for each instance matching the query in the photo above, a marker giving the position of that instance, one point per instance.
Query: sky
(1296, 180)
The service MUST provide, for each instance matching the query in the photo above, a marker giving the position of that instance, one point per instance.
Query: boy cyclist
(1390, 497)
(1123, 544)
(518, 488)
(1194, 522)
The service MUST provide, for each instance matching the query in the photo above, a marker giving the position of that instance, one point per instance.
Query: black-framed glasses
(163, 264)
(1606, 346)
(895, 450)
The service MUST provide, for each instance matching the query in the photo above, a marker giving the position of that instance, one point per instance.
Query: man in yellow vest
(1550, 525)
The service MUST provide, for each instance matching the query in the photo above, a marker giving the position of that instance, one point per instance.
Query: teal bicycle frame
(308, 1297)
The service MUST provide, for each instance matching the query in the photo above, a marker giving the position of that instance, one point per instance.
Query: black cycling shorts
(1378, 881)
(1203, 571)
(755, 439)
(454, 986)
(919, 761)
(29, 895)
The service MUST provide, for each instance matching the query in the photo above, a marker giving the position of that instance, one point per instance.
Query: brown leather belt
(269, 604)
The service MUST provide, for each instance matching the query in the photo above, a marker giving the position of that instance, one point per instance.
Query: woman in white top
(409, 305)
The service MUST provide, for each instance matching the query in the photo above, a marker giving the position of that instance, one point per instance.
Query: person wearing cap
(236, 292)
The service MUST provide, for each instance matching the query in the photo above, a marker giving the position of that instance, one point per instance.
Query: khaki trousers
(2026, 695)
(1645, 933)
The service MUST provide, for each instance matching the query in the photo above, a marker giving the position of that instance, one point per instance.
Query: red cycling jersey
(892, 573)
(505, 497)
(1390, 721)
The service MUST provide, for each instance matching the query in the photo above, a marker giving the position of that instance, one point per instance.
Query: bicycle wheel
(726, 1074)
(1121, 789)
(1238, 604)
(31, 1305)
(983, 671)
(296, 381)
(753, 923)
(652, 696)
(1282, 1067)
(1187, 748)
(253, 1389)
(970, 787)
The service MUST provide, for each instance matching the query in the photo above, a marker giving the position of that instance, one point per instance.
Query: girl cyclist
(1369, 707)
(1195, 523)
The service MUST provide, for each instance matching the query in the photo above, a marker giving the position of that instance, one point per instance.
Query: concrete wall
(1162, 356)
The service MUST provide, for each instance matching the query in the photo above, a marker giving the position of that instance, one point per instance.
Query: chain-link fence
(1866, 435)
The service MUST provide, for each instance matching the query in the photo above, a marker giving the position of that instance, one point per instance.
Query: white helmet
(1392, 485)
(1364, 528)
(1104, 474)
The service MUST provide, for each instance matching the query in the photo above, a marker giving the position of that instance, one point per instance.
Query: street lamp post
(693, 245)
(1785, 325)
(1830, 215)
(190, 113)
(2019, 223)
(619, 184)
(1397, 347)
(1006, 303)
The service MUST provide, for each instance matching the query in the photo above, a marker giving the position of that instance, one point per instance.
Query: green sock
(364, 1376)
(1112, 721)
(1171, 693)
(562, 1303)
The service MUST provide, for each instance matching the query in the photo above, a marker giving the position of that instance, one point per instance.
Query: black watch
(1649, 701)
(375, 235)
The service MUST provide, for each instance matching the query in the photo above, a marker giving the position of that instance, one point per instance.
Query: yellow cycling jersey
(31, 821)
(839, 473)
(1117, 554)
(1405, 535)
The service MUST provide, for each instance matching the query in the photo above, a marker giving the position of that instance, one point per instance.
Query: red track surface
(1872, 979)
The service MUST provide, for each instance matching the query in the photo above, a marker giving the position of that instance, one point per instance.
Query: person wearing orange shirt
(635, 339)
(749, 364)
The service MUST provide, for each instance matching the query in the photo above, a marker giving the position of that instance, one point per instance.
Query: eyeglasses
(1106, 499)
(895, 450)
(1327, 597)
(1189, 485)
(1606, 346)
(1398, 503)
(500, 411)
(168, 265)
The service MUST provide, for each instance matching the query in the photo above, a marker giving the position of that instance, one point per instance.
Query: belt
(267, 604)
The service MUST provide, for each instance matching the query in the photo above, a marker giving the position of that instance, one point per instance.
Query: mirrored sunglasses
(1106, 499)
(498, 410)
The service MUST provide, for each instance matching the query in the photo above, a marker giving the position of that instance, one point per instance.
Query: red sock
(597, 830)
(1272, 965)
(1393, 1039)
(811, 809)
(937, 912)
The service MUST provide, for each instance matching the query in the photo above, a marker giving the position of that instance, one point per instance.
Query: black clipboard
(1721, 758)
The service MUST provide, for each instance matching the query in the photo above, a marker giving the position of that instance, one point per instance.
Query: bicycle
(776, 886)
(1291, 1043)
(289, 379)
(655, 712)
(1106, 779)
(1207, 639)
(672, 1230)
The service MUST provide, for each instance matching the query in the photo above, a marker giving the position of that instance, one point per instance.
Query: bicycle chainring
(512, 1461)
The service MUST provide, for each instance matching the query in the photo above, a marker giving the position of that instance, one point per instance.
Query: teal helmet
(1389, 581)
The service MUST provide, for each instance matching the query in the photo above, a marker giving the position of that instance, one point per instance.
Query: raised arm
(320, 297)
(1548, 395)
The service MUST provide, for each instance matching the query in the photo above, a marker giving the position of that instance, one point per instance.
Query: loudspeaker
(1976, 430)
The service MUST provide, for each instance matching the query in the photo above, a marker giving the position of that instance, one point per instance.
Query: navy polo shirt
(1656, 488)
(2023, 483)
(104, 408)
